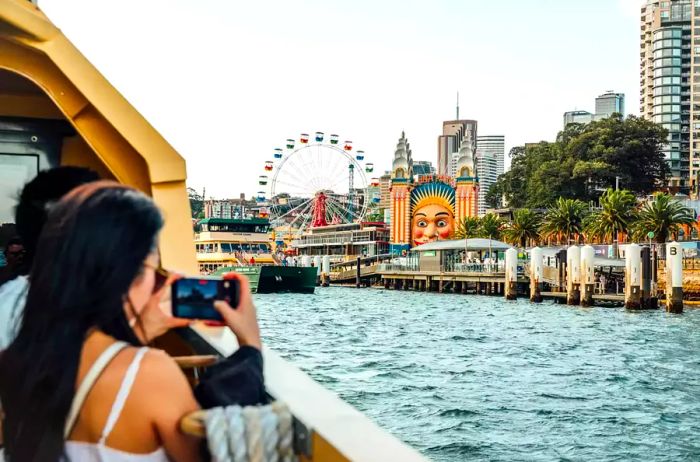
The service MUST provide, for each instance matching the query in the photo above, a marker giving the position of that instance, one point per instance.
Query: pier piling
(511, 282)
(573, 275)
(536, 274)
(587, 274)
(633, 277)
(674, 283)
(649, 300)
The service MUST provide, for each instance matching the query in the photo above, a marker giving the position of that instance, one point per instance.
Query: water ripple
(477, 378)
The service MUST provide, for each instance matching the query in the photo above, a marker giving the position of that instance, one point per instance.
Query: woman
(95, 289)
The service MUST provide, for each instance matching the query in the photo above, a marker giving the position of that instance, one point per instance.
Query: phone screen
(194, 298)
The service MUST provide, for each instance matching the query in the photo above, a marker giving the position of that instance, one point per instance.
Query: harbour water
(482, 379)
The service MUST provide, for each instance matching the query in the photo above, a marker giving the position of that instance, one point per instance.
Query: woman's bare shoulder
(159, 368)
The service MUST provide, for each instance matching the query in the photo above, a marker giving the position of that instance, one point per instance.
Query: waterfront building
(344, 240)
(453, 132)
(490, 163)
(670, 83)
(608, 104)
(577, 117)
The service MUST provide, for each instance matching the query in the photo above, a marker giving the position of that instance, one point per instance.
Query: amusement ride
(315, 181)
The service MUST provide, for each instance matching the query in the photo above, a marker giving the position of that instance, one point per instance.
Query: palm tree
(564, 218)
(616, 214)
(468, 228)
(524, 228)
(490, 227)
(663, 216)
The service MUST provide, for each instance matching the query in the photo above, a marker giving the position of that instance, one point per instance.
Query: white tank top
(99, 452)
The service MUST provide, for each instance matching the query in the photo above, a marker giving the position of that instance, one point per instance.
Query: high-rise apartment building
(670, 82)
(453, 131)
(608, 104)
(384, 190)
(490, 158)
(228, 208)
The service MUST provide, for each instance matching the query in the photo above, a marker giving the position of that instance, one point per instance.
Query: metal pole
(617, 183)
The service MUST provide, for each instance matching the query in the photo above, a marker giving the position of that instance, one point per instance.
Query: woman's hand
(243, 320)
(157, 316)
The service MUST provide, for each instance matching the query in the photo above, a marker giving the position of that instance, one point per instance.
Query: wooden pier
(492, 283)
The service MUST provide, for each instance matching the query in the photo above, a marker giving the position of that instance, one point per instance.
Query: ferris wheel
(316, 182)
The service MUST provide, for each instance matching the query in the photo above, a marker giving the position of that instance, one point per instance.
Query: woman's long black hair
(90, 251)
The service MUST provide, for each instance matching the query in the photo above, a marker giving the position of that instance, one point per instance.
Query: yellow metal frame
(113, 137)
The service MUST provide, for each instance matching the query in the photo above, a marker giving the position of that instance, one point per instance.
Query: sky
(227, 81)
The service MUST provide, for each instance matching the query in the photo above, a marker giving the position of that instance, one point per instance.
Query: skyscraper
(453, 131)
(670, 64)
(490, 156)
(609, 103)
(423, 167)
(577, 117)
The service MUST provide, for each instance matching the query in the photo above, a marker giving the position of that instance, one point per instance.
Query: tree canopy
(583, 162)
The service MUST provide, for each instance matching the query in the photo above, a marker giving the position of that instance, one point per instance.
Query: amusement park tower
(467, 183)
(400, 196)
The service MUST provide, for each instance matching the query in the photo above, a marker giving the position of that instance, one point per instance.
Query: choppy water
(478, 378)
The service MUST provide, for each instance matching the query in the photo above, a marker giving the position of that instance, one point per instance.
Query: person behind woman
(91, 297)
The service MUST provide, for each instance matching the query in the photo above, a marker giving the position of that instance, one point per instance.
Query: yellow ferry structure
(57, 109)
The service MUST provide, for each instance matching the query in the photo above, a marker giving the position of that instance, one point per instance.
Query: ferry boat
(57, 109)
(244, 246)
(230, 242)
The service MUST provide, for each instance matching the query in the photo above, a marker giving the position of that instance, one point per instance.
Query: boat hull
(275, 279)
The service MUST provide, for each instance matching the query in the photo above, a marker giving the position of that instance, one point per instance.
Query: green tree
(664, 216)
(617, 211)
(564, 219)
(494, 196)
(584, 160)
(490, 226)
(523, 229)
(468, 228)
(196, 203)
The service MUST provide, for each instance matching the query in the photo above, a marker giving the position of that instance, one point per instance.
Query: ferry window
(226, 247)
(15, 171)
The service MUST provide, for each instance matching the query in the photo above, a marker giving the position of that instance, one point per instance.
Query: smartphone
(193, 298)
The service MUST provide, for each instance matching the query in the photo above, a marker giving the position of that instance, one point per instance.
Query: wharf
(601, 299)
(491, 283)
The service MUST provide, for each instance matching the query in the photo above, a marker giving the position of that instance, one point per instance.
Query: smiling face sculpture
(432, 213)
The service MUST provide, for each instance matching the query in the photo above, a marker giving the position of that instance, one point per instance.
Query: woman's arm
(169, 398)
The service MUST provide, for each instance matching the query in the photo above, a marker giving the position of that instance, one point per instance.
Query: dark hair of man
(36, 196)
(91, 249)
